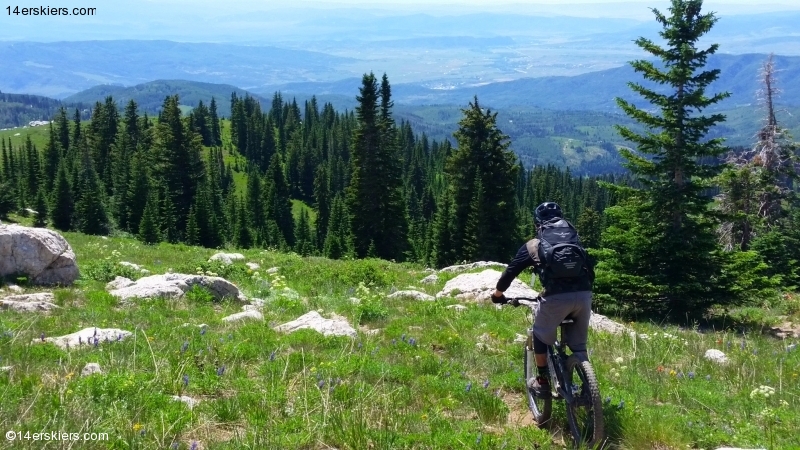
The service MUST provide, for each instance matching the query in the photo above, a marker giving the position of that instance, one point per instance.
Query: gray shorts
(554, 309)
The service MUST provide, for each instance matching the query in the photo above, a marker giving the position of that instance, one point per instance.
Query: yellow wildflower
(137, 427)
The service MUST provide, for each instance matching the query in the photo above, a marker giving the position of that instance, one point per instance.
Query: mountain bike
(572, 379)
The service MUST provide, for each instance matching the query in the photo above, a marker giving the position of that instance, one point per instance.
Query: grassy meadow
(420, 382)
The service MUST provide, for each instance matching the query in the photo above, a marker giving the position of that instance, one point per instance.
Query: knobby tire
(585, 414)
(541, 408)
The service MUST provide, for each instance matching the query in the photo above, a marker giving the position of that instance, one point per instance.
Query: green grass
(39, 136)
(383, 391)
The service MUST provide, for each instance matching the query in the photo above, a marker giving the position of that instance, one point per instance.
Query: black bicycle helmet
(546, 211)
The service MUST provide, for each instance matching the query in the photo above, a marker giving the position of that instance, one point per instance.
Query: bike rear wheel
(541, 408)
(585, 412)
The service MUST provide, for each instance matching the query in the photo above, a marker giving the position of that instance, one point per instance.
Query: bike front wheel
(541, 408)
(585, 411)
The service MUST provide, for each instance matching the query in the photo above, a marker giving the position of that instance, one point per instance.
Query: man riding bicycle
(566, 275)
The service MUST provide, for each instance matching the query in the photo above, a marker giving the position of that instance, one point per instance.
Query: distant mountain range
(596, 91)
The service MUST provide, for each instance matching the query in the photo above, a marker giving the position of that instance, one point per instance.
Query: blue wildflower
(194, 446)
(412, 342)
(469, 386)
(221, 370)
(497, 392)
(403, 337)
(680, 375)
(174, 446)
(321, 384)
(691, 375)
(184, 346)
(272, 356)
(478, 439)
(41, 336)
(96, 342)
(486, 384)
(185, 380)
(607, 400)
(621, 404)
(202, 331)
(141, 432)
(394, 341)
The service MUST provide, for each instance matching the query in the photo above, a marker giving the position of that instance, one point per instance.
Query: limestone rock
(457, 307)
(716, 356)
(416, 295)
(244, 315)
(253, 266)
(226, 258)
(337, 326)
(118, 283)
(43, 255)
(470, 266)
(175, 285)
(599, 322)
(133, 266)
(87, 337)
(15, 288)
(430, 279)
(40, 301)
(479, 286)
(189, 401)
(91, 369)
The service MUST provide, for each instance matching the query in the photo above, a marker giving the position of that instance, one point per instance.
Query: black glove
(502, 300)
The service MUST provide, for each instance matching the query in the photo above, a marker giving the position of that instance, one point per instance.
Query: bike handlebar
(515, 301)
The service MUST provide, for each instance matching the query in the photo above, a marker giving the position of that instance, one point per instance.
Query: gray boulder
(175, 285)
(42, 255)
(226, 258)
(416, 295)
(38, 302)
(716, 356)
(336, 326)
(251, 314)
(91, 369)
(87, 337)
(479, 286)
(470, 266)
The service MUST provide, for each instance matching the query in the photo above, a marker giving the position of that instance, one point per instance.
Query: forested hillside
(378, 188)
(18, 109)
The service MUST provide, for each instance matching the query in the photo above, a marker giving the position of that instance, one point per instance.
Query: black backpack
(560, 250)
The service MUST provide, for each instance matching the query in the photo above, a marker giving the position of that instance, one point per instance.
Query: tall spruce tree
(374, 196)
(149, 231)
(663, 237)
(62, 203)
(482, 175)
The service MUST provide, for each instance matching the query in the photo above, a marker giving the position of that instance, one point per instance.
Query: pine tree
(61, 204)
(192, 230)
(663, 235)
(149, 231)
(277, 203)
(90, 210)
(52, 157)
(483, 154)
(62, 125)
(303, 244)
(244, 237)
(40, 220)
(216, 136)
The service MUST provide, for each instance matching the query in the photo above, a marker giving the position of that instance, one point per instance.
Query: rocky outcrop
(175, 285)
(91, 369)
(87, 337)
(416, 295)
(42, 255)
(470, 266)
(250, 314)
(716, 356)
(38, 302)
(479, 286)
(226, 258)
(336, 326)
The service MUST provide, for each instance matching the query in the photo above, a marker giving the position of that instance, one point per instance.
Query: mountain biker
(560, 297)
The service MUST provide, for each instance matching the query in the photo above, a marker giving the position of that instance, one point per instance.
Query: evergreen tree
(216, 136)
(338, 241)
(663, 236)
(278, 205)
(137, 194)
(149, 231)
(374, 196)
(40, 220)
(90, 210)
(244, 237)
(52, 157)
(62, 126)
(62, 206)
(303, 243)
(482, 160)
(192, 229)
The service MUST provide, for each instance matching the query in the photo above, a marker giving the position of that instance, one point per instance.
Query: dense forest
(676, 235)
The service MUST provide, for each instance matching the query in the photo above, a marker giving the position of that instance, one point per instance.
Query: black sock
(544, 371)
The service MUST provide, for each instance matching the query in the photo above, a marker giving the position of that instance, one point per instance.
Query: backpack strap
(533, 250)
